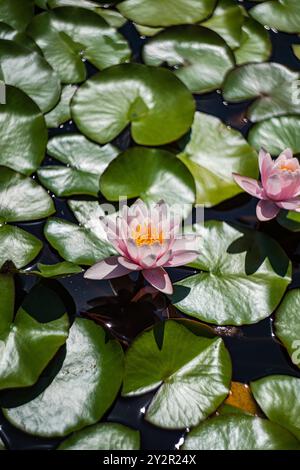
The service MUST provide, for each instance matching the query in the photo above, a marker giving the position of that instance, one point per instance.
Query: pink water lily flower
(147, 239)
(279, 187)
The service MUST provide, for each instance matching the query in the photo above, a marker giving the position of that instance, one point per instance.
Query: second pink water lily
(279, 187)
(147, 240)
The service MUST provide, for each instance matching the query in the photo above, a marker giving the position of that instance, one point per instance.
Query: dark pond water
(254, 350)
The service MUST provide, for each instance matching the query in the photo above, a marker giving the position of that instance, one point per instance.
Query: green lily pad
(152, 174)
(289, 220)
(276, 134)
(283, 15)
(200, 56)
(29, 71)
(83, 389)
(147, 31)
(212, 154)
(62, 269)
(244, 275)
(287, 325)
(112, 17)
(9, 33)
(23, 133)
(168, 13)
(15, 13)
(17, 246)
(275, 394)
(67, 35)
(80, 244)
(255, 46)
(22, 199)
(271, 85)
(227, 20)
(103, 436)
(235, 432)
(296, 50)
(193, 375)
(62, 111)
(30, 343)
(156, 103)
(84, 160)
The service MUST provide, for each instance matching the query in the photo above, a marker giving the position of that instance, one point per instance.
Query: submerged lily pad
(255, 44)
(276, 134)
(84, 160)
(23, 133)
(212, 154)
(272, 86)
(227, 20)
(103, 436)
(279, 398)
(16, 13)
(151, 174)
(296, 50)
(83, 389)
(200, 56)
(287, 325)
(244, 275)
(283, 15)
(62, 111)
(80, 244)
(168, 13)
(112, 17)
(156, 103)
(27, 345)
(193, 375)
(289, 220)
(67, 35)
(235, 432)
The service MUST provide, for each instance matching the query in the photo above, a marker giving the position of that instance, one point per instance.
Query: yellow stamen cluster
(147, 235)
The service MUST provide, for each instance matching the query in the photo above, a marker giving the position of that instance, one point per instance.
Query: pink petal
(106, 269)
(290, 204)
(265, 165)
(266, 210)
(189, 243)
(159, 279)
(249, 185)
(127, 263)
(182, 258)
(287, 153)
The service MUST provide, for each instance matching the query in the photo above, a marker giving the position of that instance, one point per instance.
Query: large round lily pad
(166, 13)
(84, 160)
(28, 70)
(21, 198)
(212, 154)
(151, 174)
(276, 134)
(156, 103)
(255, 44)
(103, 436)
(81, 244)
(26, 344)
(240, 433)
(227, 20)
(279, 398)
(283, 15)
(62, 111)
(83, 389)
(67, 35)
(243, 277)
(16, 13)
(287, 325)
(23, 133)
(201, 58)
(271, 85)
(193, 375)
(17, 246)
